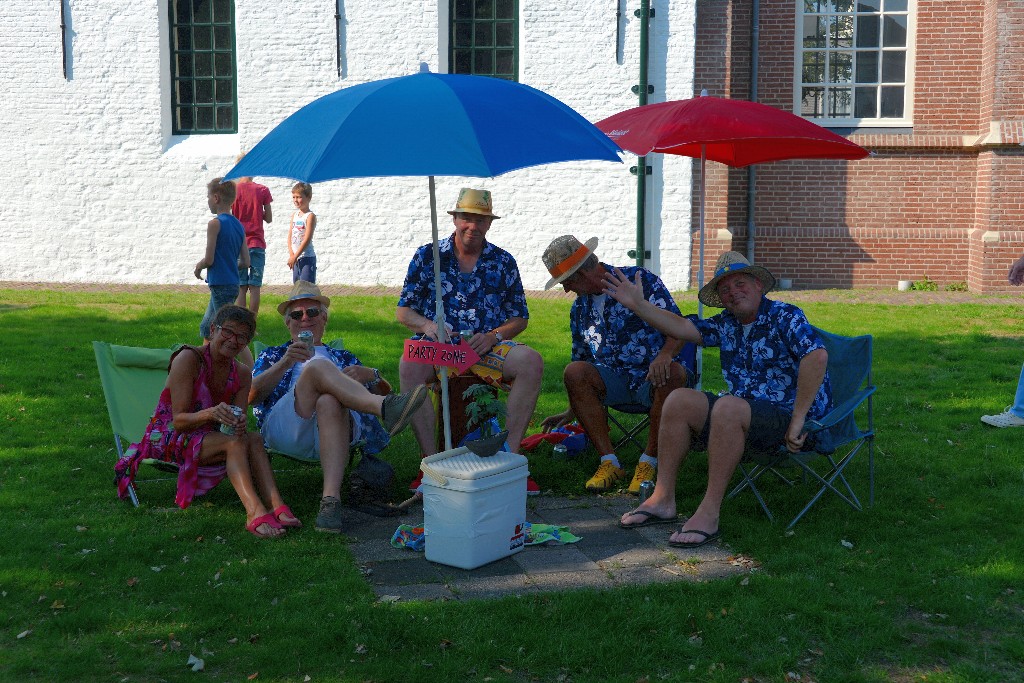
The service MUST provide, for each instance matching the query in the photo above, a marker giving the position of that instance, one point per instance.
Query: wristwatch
(376, 379)
(497, 335)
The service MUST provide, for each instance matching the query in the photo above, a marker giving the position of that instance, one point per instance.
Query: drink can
(306, 337)
(230, 429)
(560, 452)
(646, 489)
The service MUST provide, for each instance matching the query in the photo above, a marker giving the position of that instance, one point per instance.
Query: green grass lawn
(94, 590)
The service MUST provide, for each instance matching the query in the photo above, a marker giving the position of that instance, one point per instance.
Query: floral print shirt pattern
(763, 365)
(373, 437)
(479, 301)
(620, 339)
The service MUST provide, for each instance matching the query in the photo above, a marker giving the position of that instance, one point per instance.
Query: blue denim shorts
(220, 295)
(253, 276)
(768, 425)
(617, 391)
(304, 269)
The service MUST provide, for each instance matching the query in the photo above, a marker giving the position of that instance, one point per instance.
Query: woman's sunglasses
(310, 313)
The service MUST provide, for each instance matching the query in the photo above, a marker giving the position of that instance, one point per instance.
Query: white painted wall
(93, 187)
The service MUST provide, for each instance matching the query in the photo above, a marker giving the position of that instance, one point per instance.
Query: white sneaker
(1003, 419)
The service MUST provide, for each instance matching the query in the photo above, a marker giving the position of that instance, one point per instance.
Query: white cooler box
(474, 508)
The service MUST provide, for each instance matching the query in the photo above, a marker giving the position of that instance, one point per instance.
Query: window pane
(869, 5)
(839, 101)
(222, 37)
(184, 118)
(866, 103)
(505, 9)
(483, 62)
(463, 9)
(204, 92)
(895, 5)
(201, 11)
(202, 38)
(225, 91)
(505, 62)
(183, 89)
(204, 64)
(222, 62)
(222, 11)
(844, 5)
(811, 102)
(816, 5)
(814, 67)
(814, 31)
(867, 67)
(463, 34)
(484, 9)
(894, 67)
(183, 38)
(183, 64)
(505, 34)
(225, 118)
(894, 33)
(181, 12)
(867, 31)
(204, 118)
(841, 67)
(483, 34)
(842, 32)
(892, 102)
(463, 62)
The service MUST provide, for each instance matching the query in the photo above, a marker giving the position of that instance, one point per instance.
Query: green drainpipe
(641, 169)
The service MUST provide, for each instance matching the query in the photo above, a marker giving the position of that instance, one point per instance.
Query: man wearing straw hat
(617, 358)
(484, 303)
(316, 402)
(775, 368)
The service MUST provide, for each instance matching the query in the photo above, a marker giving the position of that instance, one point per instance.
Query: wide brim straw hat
(303, 289)
(474, 201)
(564, 256)
(730, 263)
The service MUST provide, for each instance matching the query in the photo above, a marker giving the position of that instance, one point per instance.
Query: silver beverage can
(306, 337)
(560, 452)
(646, 489)
(228, 429)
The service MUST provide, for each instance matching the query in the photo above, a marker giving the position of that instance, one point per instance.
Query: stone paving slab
(607, 557)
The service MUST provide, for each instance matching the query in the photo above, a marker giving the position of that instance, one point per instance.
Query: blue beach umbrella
(426, 124)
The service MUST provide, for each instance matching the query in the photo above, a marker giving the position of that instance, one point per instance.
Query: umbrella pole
(700, 267)
(442, 331)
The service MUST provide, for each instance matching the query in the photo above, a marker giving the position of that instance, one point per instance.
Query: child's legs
(257, 262)
(1018, 401)
(220, 295)
(305, 269)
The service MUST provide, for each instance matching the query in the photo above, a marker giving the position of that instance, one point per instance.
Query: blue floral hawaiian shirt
(373, 437)
(620, 339)
(479, 301)
(763, 365)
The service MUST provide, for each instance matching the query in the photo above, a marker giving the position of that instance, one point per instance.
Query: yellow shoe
(607, 475)
(645, 471)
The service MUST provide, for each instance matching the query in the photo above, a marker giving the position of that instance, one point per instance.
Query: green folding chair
(132, 378)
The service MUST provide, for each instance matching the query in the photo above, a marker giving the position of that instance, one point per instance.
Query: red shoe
(417, 483)
(531, 487)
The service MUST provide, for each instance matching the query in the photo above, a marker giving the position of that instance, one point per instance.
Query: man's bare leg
(525, 366)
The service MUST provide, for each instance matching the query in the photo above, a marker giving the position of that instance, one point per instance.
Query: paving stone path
(606, 557)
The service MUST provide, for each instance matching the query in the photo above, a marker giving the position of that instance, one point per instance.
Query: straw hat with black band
(730, 263)
(564, 256)
(303, 289)
(474, 201)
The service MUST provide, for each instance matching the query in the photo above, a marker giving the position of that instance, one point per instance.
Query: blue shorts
(768, 425)
(253, 276)
(220, 295)
(304, 269)
(617, 391)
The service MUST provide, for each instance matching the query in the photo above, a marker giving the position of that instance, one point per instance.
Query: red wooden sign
(459, 356)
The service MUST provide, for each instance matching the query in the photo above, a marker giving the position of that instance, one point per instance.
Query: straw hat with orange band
(564, 256)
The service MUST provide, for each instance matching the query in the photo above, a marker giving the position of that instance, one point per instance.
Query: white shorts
(285, 431)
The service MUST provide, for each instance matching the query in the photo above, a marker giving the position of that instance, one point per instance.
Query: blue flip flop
(708, 538)
(649, 519)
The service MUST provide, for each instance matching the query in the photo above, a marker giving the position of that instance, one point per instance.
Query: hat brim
(479, 213)
(708, 294)
(590, 245)
(283, 306)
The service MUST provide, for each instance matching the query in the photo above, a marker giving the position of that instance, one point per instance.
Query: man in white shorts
(317, 404)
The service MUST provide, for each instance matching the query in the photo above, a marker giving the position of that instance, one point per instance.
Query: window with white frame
(854, 61)
(202, 62)
(484, 38)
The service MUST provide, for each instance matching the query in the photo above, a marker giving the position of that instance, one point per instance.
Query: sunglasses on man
(310, 313)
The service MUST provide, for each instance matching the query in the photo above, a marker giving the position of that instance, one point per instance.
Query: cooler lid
(470, 466)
